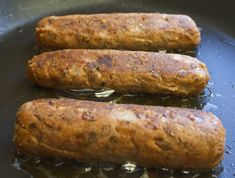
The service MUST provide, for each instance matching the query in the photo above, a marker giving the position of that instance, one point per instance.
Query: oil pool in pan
(216, 50)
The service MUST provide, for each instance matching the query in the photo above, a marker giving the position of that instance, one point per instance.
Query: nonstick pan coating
(17, 45)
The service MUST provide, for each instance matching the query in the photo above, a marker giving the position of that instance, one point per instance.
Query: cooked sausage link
(151, 136)
(132, 31)
(123, 71)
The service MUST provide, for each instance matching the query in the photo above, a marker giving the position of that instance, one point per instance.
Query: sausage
(130, 31)
(123, 71)
(151, 136)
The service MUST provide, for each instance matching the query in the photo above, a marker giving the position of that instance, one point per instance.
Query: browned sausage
(151, 136)
(133, 31)
(124, 71)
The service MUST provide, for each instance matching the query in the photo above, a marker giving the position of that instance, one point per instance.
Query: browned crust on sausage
(132, 31)
(151, 136)
(124, 71)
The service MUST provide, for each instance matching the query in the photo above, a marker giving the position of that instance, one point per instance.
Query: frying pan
(17, 21)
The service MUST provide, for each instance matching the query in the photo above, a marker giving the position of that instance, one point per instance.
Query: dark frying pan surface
(17, 45)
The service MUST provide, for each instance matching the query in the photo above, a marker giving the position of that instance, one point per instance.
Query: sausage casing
(123, 71)
(130, 31)
(151, 136)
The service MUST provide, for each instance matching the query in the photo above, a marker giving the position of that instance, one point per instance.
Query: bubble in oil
(185, 172)
(165, 169)
(87, 169)
(228, 152)
(129, 167)
(58, 164)
(36, 160)
(218, 95)
(16, 163)
(228, 146)
(104, 93)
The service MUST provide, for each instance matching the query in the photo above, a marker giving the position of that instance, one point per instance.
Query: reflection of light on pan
(108, 95)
